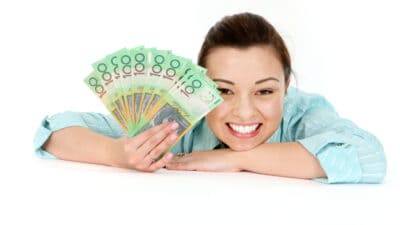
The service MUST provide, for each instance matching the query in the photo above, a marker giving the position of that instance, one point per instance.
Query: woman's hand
(223, 160)
(142, 152)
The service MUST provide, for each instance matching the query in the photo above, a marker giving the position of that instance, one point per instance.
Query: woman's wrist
(115, 148)
(237, 159)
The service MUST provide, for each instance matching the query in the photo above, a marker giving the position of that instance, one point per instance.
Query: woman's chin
(241, 147)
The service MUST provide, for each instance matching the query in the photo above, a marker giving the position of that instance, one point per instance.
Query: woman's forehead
(253, 63)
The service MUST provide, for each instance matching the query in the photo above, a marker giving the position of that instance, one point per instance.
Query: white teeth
(243, 129)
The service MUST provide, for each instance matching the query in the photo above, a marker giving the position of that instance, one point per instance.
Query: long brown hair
(244, 30)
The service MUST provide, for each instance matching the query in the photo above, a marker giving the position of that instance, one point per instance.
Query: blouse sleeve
(347, 153)
(97, 122)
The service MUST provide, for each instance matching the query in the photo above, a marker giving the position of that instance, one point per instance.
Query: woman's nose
(244, 108)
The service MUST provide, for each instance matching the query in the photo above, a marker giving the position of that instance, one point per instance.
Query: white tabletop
(61, 192)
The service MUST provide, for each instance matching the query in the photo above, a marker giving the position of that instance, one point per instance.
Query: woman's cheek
(267, 107)
(212, 117)
(221, 110)
(217, 117)
(271, 110)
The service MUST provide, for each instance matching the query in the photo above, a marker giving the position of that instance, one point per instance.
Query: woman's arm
(278, 159)
(342, 153)
(139, 152)
(281, 159)
(95, 138)
(96, 122)
(83, 145)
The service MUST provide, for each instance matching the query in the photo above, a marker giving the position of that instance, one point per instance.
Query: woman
(263, 125)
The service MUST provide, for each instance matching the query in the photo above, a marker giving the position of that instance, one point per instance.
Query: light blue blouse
(347, 153)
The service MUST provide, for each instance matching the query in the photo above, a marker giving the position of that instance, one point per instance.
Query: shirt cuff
(338, 159)
(42, 134)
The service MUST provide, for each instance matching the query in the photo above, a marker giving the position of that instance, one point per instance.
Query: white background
(345, 50)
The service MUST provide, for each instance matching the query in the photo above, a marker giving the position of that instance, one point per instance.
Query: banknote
(144, 87)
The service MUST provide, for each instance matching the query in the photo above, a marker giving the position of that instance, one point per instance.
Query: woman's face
(252, 83)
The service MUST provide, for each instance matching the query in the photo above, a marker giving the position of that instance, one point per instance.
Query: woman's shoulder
(297, 101)
(303, 110)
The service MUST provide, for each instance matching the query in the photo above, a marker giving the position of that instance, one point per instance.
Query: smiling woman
(253, 86)
(263, 126)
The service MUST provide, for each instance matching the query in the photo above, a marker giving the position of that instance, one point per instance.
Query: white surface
(60, 192)
(344, 50)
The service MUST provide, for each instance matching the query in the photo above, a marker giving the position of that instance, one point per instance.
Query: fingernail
(174, 125)
(169, 156)
(173, 137)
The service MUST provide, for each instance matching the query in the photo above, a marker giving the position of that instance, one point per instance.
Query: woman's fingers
(158, 140)
(143, 150)
(179, 162)
(161, 162)
(140, 139)
(179, 166)
(161, 147)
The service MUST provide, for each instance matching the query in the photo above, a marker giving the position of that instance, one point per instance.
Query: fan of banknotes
(144, 87)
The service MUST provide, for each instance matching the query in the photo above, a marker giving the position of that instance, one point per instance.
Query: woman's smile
(244, 130)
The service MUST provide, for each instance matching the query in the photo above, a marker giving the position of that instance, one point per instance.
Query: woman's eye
(225, 91)
(264, 92)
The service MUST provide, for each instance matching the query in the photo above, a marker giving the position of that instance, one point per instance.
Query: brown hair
(245, 30)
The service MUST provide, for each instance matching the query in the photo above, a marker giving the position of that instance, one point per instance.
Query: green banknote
(140, 68)
(96, 84)
(144, 87)
(190, 99)
(108, 73)
(152, 92)
(173, 69)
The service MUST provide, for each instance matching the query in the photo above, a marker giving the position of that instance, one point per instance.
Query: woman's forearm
(83, 145)
(281, 159)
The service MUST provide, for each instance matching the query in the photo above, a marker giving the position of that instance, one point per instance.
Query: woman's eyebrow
(266, 79)
(224, 81)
